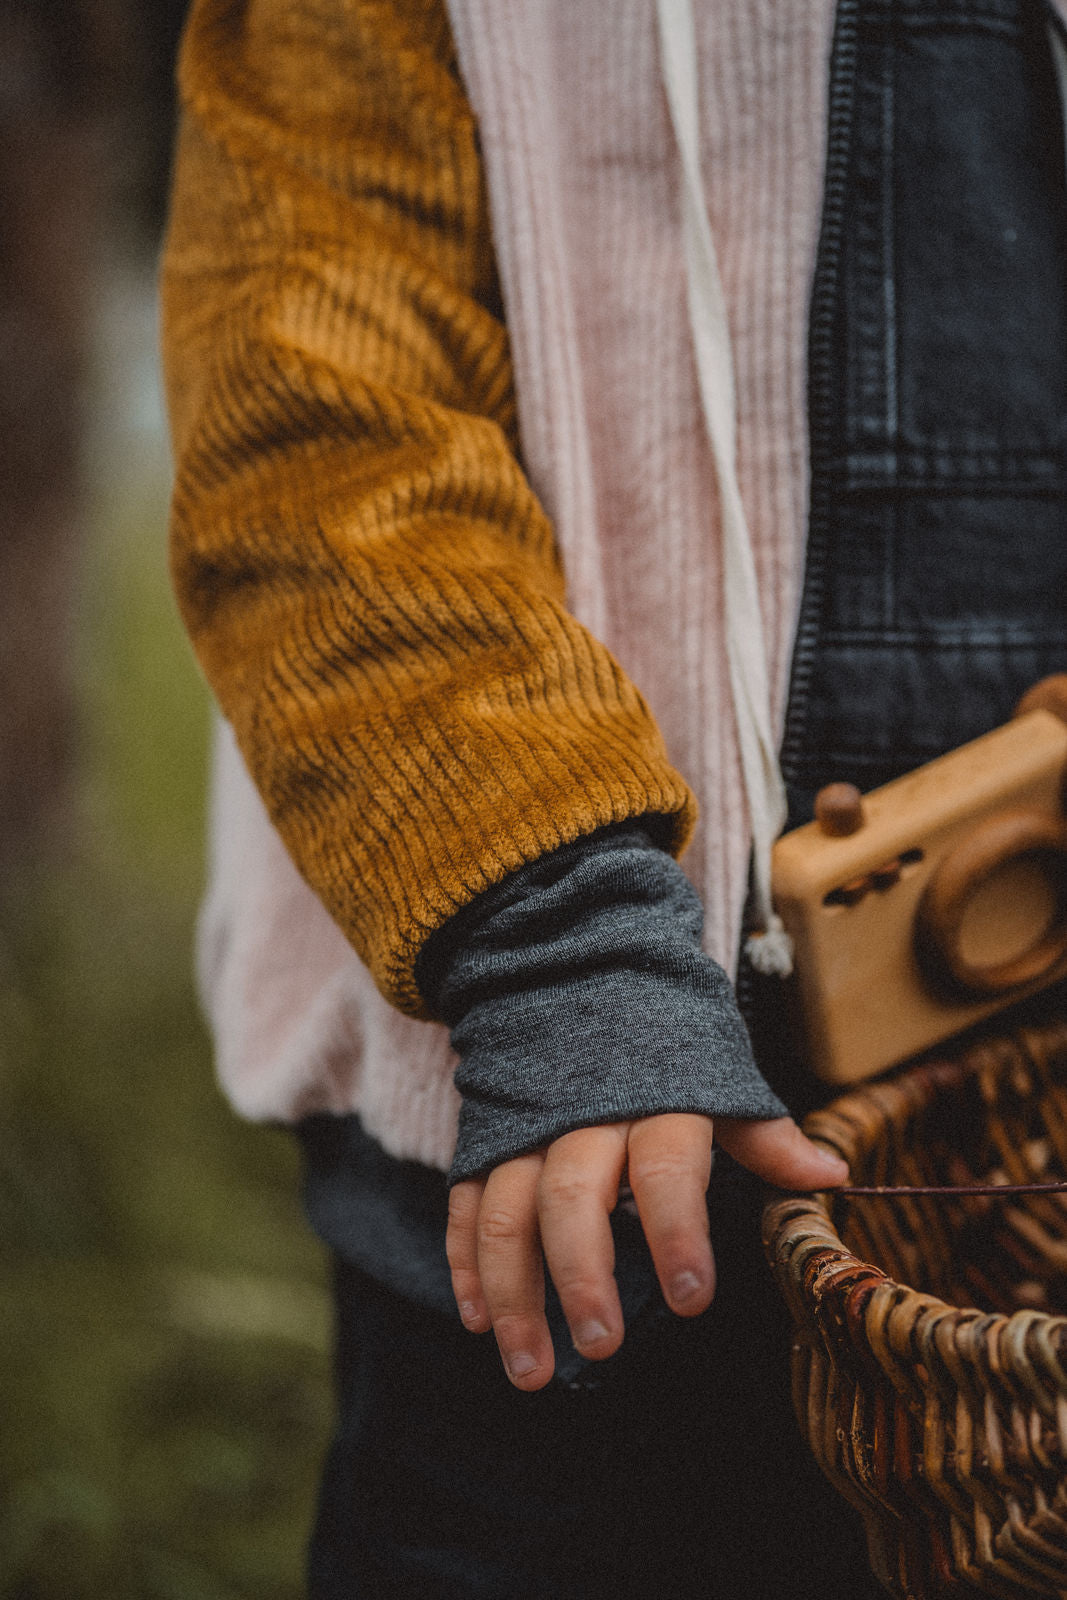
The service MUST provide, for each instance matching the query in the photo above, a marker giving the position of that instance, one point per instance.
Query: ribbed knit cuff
(577, 994)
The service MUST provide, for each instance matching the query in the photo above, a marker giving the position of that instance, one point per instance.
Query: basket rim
(944, 1424)
(800, 1236)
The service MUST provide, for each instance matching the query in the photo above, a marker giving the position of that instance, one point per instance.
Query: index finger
(669, 1171)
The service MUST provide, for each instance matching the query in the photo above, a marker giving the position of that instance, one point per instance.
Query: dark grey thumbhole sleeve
(577, 993)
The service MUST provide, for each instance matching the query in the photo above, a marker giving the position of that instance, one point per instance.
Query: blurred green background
(163, 1315)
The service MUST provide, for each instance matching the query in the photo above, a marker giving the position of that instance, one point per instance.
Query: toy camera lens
(993, 916)
(1011, 913)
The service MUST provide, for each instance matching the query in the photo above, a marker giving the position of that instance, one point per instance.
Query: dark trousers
(679, 1473)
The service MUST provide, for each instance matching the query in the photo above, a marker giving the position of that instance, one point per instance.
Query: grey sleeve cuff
(577, 994)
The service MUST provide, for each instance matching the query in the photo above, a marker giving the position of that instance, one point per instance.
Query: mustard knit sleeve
(370, 584)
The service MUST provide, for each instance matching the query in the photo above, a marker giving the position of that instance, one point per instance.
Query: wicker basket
(930, 1358)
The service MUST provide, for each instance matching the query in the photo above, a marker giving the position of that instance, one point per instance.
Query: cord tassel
(770, 950)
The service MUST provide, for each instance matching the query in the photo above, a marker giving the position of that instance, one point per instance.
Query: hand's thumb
(778, 1152)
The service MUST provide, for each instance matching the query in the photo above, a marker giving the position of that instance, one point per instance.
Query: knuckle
(462, 1205)
(565, 1192)
(515, 1326)
(457, 1252)
(665, 1167)
(498, 1226)
(579, 1287)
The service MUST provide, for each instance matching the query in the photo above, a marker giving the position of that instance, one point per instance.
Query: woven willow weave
(930, 1357)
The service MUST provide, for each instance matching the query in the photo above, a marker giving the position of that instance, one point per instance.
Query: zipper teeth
(841, 97)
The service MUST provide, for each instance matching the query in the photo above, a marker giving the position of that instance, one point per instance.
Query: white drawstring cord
(770, 949)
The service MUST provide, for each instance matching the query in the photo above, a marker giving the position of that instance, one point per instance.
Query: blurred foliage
(163, 1320)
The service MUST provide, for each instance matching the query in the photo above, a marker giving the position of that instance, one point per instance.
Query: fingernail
(520, 1364)
(590, 1333)
(468, 1311)
(833, 1165)
(685, 1286)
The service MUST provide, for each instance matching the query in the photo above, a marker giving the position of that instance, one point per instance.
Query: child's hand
(553, 1206)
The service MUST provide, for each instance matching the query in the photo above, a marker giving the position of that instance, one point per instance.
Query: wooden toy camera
(927, 905)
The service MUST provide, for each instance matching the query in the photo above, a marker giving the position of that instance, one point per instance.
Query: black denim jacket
(936, 586)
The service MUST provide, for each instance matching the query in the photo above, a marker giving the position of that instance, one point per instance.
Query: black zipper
(841, 98)
(842, 91)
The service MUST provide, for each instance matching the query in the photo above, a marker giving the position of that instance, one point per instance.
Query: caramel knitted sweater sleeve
(370, 584)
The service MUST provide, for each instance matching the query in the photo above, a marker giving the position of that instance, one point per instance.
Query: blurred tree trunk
(49, 193)
(84, 126)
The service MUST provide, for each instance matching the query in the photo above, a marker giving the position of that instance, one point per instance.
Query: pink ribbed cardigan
(584, 193)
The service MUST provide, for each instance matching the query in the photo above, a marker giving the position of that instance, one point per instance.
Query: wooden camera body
(931, 903)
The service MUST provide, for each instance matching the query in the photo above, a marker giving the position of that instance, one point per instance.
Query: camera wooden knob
(993, 916)
(839, 809)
